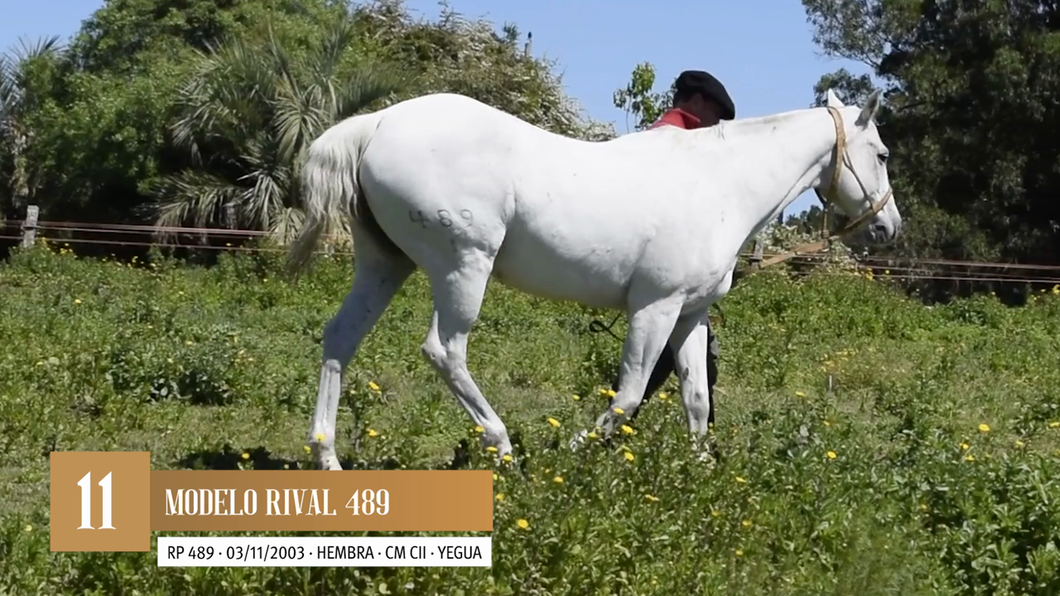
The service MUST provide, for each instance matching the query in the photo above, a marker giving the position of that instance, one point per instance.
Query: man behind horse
(700, 101)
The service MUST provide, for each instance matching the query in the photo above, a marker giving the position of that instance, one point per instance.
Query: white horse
(650, 222)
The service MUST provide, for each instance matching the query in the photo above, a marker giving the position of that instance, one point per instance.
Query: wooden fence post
(29, 226)
(756, 257)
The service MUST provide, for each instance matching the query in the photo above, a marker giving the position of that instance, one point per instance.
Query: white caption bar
(325, 551)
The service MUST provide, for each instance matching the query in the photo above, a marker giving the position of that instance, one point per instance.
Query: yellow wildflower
(307, 449)
(591, 435)
(969, 457)
(611, 393)
(246, 455)
(627, 429)
(800, 394)
(523, 524)
(629, 456)
(715, 513)
(651, 498)
(746, 523)
(983, 428)
(831, 455)
(77, 301)
(739, 552)
(507, 457)
(373, 386)
(372, 433)
(553, 422)
(1056, 289)
(618, 411)
(1054, 424)
(964, 446)
(500, 496)
(491, 449)
(826, 423)
(923, 507)
(29, 528)
(576, 397)
(320, 437)
(1019, 443)
(740, 480)
(479, 430)
(558, 480)
(664, 396)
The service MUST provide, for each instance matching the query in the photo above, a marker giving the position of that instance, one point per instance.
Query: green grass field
(931, 467)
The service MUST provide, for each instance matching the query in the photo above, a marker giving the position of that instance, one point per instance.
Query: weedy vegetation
(930, 465)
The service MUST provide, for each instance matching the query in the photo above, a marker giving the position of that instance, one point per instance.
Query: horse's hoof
(578, 440)
(329, 461)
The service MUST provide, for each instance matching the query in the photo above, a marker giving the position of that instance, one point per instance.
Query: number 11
(86, 502)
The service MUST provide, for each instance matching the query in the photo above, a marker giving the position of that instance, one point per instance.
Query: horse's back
(448, 151)
(565, 218)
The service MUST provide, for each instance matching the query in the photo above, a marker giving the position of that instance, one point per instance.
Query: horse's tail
(330, 184)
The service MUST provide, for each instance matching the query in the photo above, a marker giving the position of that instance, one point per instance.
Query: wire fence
(224, 239)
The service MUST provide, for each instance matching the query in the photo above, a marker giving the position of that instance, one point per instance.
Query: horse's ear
(833, 100)
(872, 105)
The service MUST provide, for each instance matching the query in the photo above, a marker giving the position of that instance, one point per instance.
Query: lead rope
(596, 326)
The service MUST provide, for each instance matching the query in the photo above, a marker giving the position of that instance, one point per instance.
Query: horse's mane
(754, 125)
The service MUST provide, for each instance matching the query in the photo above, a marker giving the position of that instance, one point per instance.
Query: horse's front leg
(649, 328)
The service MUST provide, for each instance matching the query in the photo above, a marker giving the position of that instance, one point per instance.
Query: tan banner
(112, 501)
(100, 501)
(321, 500)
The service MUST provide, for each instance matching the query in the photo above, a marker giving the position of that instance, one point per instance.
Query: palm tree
(248, 114)
(16, 100)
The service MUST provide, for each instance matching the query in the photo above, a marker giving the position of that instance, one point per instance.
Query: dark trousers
(667, 364)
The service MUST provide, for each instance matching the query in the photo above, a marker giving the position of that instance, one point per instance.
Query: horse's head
(861, 190)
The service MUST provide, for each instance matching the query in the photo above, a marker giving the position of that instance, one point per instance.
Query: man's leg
(712, 368)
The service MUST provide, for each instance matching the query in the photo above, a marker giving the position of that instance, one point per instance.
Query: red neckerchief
(679, 118)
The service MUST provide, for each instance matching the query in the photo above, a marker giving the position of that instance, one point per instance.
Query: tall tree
(972, 90)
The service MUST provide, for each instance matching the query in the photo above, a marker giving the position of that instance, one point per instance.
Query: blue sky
(762, 50)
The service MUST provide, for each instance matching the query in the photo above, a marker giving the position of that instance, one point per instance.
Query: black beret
(697, 81)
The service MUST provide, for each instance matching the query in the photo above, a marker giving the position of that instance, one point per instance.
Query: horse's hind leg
(378, 277)
(689, 342)
(457, 301)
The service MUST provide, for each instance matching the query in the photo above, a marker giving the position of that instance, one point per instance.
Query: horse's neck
(775, 159)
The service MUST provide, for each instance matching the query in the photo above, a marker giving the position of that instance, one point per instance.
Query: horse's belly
(591, 278)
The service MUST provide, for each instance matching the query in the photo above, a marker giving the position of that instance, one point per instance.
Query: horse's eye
(883, 157)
